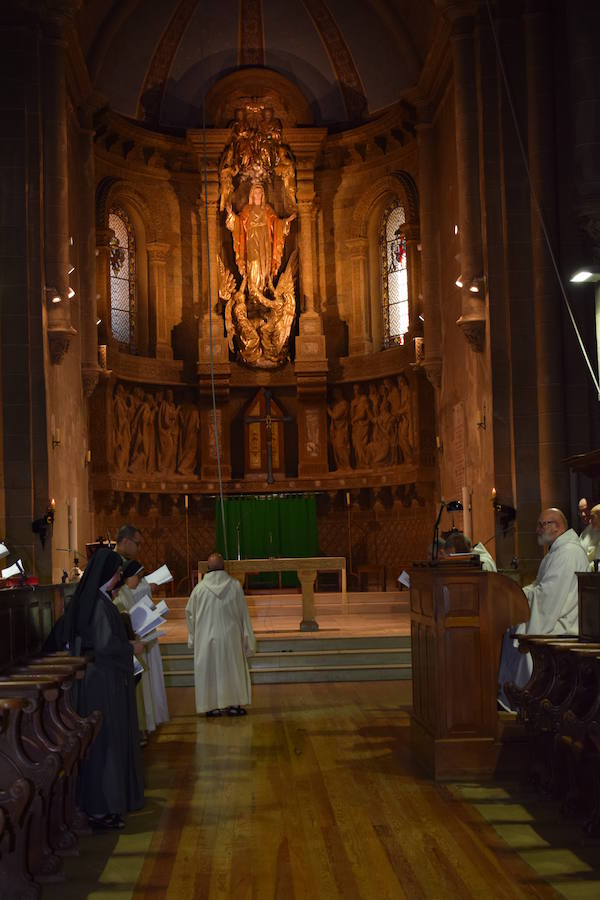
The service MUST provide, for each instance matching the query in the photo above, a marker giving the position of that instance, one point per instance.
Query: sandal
(213, 713)
(236, 711)
(107, 822)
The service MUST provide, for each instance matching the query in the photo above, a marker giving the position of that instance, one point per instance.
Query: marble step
(380, 603)
(279, 661)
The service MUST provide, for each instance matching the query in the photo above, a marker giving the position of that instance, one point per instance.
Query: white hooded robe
(220, 632)
(553, 601)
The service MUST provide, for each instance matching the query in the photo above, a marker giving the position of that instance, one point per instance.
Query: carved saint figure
(403, 414)
(187, 449)
(121, 429)
(339, 430)
(142, 438)
(384, 427)
(166, 433)
(359, 415)
(258, 241)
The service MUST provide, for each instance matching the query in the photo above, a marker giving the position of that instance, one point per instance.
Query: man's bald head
(550, 525)
(215, 562)
(595, 517)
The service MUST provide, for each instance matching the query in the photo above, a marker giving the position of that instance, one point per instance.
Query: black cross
(268, 419)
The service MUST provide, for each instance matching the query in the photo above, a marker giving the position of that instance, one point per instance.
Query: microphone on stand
(450, 506)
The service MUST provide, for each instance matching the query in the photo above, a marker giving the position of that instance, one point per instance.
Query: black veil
(78, 614)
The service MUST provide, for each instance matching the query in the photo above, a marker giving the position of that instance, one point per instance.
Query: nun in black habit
(110, 781)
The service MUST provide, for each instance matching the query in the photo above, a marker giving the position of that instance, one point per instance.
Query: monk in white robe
(220, 632)
(552, 597)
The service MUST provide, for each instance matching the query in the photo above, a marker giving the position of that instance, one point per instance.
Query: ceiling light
(70, 293)
(591, 273)
(459, 281)
(456, 229)
(71, 270)
(98, 321)
(474, 288)
(56, 298)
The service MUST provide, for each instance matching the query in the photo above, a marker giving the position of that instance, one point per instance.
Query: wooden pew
(25, 746)
(15, 816)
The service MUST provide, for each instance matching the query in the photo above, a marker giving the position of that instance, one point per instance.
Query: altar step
(290, 604)
(304, 659)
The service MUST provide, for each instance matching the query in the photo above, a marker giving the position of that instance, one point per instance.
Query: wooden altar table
(306, 567)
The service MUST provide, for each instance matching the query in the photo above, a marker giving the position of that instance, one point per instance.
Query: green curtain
(269, 526)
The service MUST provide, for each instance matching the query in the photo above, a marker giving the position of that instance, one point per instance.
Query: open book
(15, 569)
(159, 576)
(145, 619)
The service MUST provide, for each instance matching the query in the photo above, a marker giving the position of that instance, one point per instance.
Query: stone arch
(364, 248)
(400, 185)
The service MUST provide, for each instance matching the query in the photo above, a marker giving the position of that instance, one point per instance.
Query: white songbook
(144, 619)
(15, 569)
(137, 666)
(159, 576)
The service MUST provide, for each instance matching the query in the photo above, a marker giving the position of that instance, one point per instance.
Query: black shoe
(236, 711)
(213, 713)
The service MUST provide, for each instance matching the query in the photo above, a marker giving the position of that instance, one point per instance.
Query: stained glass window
(394, 276)
(122, 278)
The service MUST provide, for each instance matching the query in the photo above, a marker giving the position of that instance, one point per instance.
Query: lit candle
(493, 493)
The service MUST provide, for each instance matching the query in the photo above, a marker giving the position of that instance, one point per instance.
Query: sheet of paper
(15, 569)
(137, 666)
(404, 578)
(3, 550)
(148, 601)
(161, 608)
(144, 619)
(159, 576)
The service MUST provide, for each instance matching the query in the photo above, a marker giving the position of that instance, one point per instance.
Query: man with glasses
(552, 597)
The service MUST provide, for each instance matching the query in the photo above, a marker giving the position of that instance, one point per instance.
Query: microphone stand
(436, 534)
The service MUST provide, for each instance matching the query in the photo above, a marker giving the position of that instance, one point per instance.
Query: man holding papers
(220, 631)
(129, 541)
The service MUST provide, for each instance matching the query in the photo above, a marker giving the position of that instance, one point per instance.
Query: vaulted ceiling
(155, 60)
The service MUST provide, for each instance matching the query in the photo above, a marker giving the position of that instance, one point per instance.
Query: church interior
(260, 252)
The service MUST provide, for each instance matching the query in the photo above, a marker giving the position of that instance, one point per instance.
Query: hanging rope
(534, 198)
(210, 331)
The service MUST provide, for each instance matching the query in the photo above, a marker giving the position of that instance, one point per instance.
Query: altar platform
(355, 614)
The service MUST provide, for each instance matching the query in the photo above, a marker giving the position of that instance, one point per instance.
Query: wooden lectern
(458, 617)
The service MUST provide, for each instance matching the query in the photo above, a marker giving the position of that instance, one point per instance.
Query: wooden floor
(313, 795)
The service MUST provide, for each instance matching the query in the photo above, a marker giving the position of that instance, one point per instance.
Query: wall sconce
(40, 526)
(53, 294)
(70, 293)
(56, 439)
(507, 514)
(477, 285)
(459, 282)
(88, 457)
(481, 423)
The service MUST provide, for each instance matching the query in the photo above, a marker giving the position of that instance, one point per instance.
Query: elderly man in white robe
(220, 632)
(552, 597)
(129, 541)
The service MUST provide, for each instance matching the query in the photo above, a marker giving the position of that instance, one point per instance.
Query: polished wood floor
(312, 796)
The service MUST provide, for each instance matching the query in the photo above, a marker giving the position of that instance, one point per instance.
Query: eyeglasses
(546, 522)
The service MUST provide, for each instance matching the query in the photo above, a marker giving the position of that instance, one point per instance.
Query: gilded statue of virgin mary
(258, 241)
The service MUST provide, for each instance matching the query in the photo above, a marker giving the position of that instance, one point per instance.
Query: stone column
(87, 274)
(413, 268)
(360, 336)
(554, 484)
(216, 349)
(430, 259)
(56, 190)
(310, 342)
(472, 319)
(105, 335)
(157, 258)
